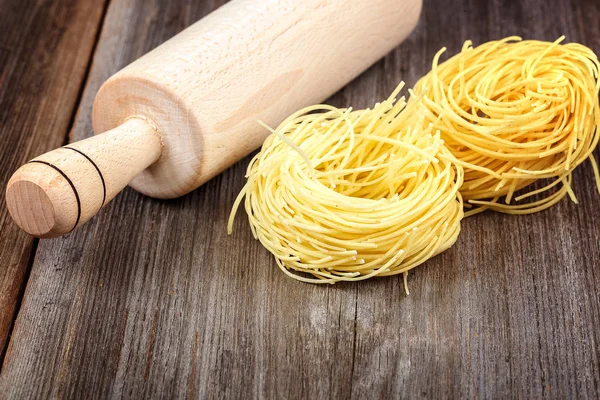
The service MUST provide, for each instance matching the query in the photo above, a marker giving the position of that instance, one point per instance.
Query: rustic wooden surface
(45, 49)
(153, 299)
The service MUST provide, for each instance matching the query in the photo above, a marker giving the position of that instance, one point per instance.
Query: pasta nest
(514, 112)
(339, 195)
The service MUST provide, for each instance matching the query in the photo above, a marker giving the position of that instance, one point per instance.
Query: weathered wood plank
(45, 47)
(512, 310)
(152, 299)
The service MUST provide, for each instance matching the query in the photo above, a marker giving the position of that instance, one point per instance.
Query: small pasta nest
(341, 195)
(513, 112)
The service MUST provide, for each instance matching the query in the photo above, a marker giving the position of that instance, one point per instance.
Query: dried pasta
(341, 195)
(514, 112)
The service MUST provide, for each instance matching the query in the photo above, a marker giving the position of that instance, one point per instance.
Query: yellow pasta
(340, 195)
(514, 112)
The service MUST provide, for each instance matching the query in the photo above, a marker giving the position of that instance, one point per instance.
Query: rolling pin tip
(37, 205)
(35, 217)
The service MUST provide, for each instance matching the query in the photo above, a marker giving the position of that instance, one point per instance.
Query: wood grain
(251, 60)
(152, 299)
(44, 51)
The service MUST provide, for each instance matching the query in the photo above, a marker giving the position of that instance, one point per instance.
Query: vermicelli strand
(514, 112)
(342, 195)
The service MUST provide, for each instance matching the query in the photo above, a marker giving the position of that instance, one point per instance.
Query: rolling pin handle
(54, 193)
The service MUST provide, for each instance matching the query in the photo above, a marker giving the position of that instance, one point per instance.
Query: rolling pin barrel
(188, 109)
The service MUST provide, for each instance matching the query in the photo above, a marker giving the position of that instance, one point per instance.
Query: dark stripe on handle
(70, 183)
(97, 169)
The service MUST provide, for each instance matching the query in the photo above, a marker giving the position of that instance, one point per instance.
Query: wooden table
(153, 299)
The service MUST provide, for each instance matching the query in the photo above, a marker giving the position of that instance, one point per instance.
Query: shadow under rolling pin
(187, 110)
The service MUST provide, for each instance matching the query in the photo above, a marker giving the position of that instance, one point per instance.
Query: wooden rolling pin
(187, 110)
